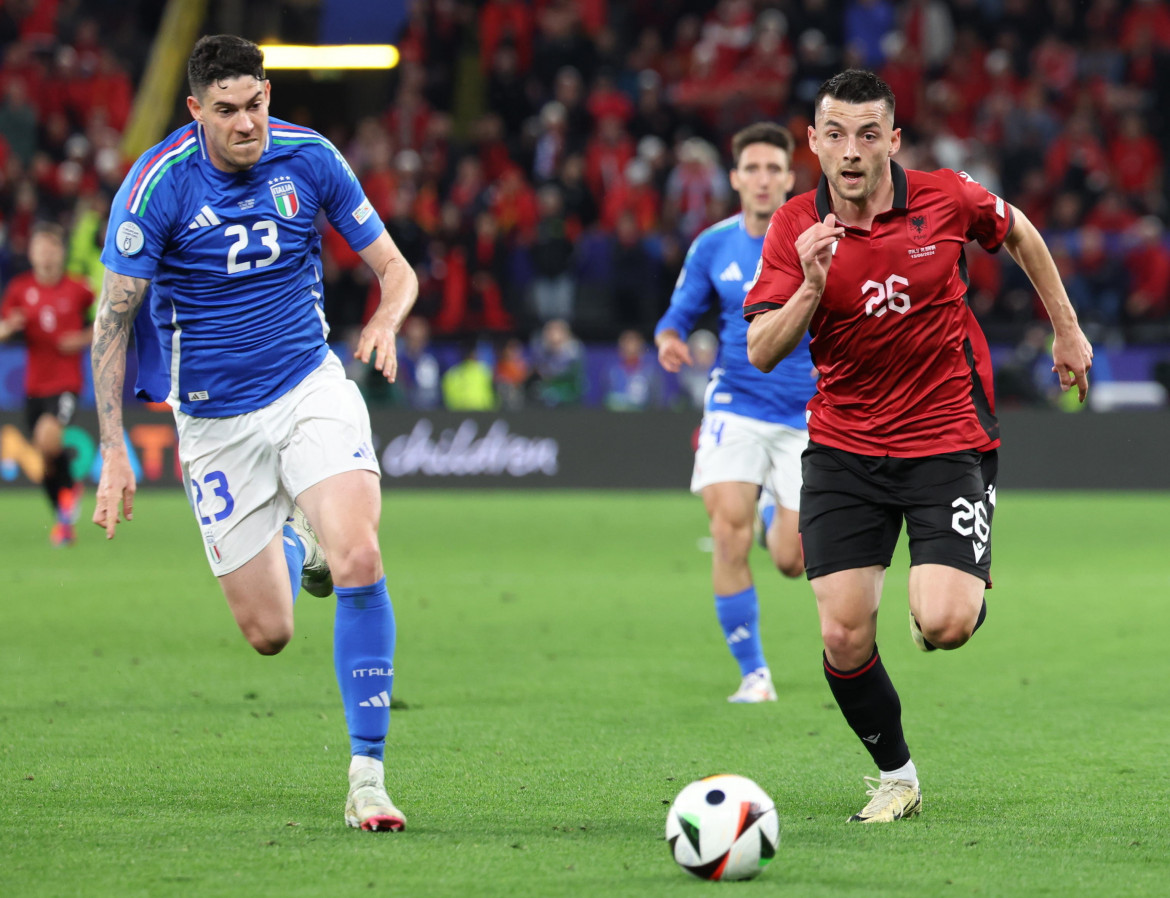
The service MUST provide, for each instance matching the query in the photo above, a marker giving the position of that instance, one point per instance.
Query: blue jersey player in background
(753, 429)
(274, 441)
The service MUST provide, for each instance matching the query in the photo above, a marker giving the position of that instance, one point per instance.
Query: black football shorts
(852, 507)
(61, 406)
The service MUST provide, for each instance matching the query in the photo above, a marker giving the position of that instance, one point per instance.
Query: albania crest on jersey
(918, 226)
(284, 194)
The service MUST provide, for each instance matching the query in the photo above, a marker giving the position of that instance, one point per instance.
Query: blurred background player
(274, 442)
(753, 428)
(52, 310)
(903, 425)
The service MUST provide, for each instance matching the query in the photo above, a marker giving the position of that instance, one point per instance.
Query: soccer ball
(723, 827)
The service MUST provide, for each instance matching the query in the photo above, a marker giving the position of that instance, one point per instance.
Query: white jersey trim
(149, 176)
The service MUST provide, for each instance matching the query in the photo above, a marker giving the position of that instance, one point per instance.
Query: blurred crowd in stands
(544, 165)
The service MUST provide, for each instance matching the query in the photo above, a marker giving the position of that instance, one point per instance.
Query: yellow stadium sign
(336, 56)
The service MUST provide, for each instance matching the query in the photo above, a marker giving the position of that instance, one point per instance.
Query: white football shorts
(734, 448)
(243, 473)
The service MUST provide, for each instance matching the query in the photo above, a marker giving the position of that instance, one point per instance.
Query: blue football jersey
(719, 267)
(234, 263)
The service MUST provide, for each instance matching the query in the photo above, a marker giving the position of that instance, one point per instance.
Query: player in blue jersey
(274, 441)
(753, 429)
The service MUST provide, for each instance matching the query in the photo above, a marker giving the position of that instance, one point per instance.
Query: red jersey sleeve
(8, 303)
(85, 302)
(988, 217)
(778, 273)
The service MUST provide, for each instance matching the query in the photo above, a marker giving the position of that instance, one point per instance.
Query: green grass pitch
(559, 677)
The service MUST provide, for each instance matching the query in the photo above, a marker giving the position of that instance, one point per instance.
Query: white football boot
(756, 687)
(316, 578)
(368, 806)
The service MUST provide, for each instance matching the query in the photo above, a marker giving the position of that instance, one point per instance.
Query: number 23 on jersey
(263, 232)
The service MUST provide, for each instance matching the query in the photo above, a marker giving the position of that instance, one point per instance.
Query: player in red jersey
(52, 310)
(903, 424)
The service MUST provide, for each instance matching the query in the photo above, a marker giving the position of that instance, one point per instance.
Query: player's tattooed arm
(121, 298)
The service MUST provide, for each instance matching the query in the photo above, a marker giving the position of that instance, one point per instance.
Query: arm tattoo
(121, 298)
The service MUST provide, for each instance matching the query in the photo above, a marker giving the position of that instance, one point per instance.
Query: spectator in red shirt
(21, 65)
(1100, 279)
(379, 180)
(1146, 17)
(1112, 213)
(491, 146)
(762, 81)
(109, 93)
(1055, 63)
(985, 277)
(1136, 160)
(39, 26)
(696, 180)
(728, 32)
(467, 193)
(1076, 158)
(502, 20)
(606, 101)
(1148, 262)
(410, 112)
(903, 72)
(52, 310)
(473, 296)
(606, 155)
(635, 194)
(513, 205)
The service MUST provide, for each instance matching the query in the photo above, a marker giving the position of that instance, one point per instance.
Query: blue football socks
(768, 515)
(363, 657)
(294, 555)
(739, 615)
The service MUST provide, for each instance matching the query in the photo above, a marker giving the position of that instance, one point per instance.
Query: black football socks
(871, 707)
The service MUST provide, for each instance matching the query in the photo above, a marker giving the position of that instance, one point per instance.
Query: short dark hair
(48, 229)
(762, 132)
(221, 57)
(855, 86)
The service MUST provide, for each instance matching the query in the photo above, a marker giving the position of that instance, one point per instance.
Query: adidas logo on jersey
(381, 700)
(731, 273)
(205, 219)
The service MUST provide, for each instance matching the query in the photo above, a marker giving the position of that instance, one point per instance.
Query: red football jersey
(904, 367)
(49, 313)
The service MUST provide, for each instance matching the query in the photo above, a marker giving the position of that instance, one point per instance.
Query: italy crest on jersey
(284, 194)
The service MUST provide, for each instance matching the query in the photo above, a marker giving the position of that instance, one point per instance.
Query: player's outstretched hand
(13, 324)
(377, 342)
(115, 489)
(673, 353)
(1072, 357)
(815, 249)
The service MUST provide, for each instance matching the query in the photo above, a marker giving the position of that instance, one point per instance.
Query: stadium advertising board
(596, 449)
(581, 448)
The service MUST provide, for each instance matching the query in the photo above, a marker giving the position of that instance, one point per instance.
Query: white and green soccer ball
(723, 827)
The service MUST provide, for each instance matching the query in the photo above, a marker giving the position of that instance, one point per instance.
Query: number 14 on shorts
(711, 431)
